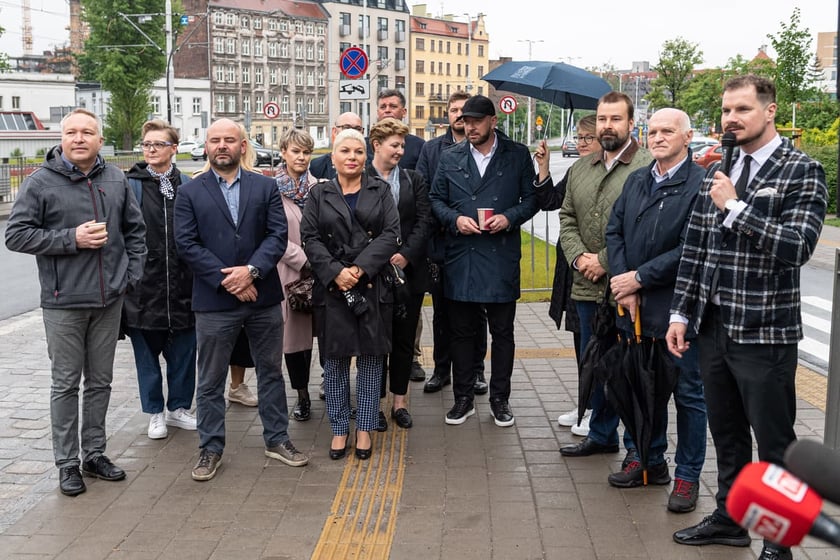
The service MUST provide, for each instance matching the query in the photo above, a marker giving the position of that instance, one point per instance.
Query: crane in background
(26, 28)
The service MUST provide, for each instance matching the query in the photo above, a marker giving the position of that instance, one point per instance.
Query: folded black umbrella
(599, 356)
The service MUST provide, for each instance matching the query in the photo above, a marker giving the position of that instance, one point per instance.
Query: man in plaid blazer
(738, 284)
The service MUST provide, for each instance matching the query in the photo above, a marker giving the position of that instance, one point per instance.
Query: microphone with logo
(727, 149)
(817, 465)
(767, 499)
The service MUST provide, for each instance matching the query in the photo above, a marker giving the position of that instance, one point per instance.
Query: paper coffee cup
(483, 215)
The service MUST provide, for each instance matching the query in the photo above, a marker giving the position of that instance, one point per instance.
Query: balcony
(344, 30)
(382, 34)
(399, 64)
(399, 36)
(437, 98)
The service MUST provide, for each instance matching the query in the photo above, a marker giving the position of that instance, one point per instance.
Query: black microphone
(727, 148)
(817, 465)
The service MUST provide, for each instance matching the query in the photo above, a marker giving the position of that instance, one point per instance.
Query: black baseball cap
(478, 107)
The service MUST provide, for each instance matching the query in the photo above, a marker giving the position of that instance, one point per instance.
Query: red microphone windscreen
(767, 499)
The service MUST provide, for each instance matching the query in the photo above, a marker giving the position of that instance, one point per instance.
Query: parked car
(702, 150)
(198, 153)
(699, 142)
(265, 156)
(570, 148)
(710, 156)
(186, 146)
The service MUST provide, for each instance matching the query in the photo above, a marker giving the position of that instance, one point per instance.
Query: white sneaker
(568, 419)
(157, 426)
(180, 418)
(583, 429)
(242, 395)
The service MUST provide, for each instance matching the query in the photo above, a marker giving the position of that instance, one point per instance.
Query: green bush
(16, 153)
(827, 156)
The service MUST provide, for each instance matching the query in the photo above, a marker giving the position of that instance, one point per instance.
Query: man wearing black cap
(481, 194)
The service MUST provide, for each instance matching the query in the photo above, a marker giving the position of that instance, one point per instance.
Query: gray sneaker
(205, 468)
(287, 453)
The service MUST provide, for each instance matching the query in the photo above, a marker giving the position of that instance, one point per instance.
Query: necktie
(744, 179)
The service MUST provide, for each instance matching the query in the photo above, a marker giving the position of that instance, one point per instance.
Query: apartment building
(380, 28)
(827, 56)
(259, 52)
(446, 56)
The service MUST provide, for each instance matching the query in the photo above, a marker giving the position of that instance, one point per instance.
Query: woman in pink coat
(294, 181)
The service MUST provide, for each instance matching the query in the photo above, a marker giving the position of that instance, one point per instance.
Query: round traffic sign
(353, 62)
(271, 110)
(507, 104)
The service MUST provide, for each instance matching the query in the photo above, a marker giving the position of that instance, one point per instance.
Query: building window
(272, 76)
(258, 75)
(231, 103)
(480, 50)
(196, 105)
(419, 66)
(284, 25)
(246, 75)
(246, 47)
(231, 46)
(458, 70)
(155, 104)
(448, 47)
(382, 54)
(310, 78)
(284, 104)
(246, 104)
(284, 49)
(310, 28)
(219, 73)
(432, 46)
(298, 27)
(459, 48)
(284, 75)
(258, 51)
(298, 77)
(480, 70)
(230, 19)
(310, 105)
(220, 103)
(382, 82)
(419, 112)
(321, 105)
(364, 26)
(257, 23)
(218, 18)
(321, 80)
(272, 24)
(343, 47)
(299, 50)
(176, 106)
(244, 22)
(258, 102)
(420, 44)
(272, 50)
(320, 52)
(218, 45)
(310, 51)
(448, 69)
(321, 30)
(419, 89)
(231, 74)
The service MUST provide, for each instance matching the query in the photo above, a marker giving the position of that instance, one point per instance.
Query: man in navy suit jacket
(230, 228)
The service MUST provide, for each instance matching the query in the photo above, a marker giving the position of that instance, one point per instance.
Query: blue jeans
(178, 349)
(691, 419)
(603, 424)
(216, 334)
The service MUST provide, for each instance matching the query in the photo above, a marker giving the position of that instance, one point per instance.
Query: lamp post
(530, 123)
(469, 51)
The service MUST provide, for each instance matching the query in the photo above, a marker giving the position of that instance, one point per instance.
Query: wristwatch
(730, 204)
(638, 278)
(254, 271)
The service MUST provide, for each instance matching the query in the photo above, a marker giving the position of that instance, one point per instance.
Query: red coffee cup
(484, 214)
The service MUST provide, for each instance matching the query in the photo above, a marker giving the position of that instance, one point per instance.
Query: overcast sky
(582, 33)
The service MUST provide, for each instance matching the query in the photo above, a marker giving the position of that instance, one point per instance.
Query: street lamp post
(530, 120)
(469, 51)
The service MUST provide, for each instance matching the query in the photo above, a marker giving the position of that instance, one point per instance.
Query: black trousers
(398, 363)
(297, 364)
(466, 330)
(442, 337)
(746, 386)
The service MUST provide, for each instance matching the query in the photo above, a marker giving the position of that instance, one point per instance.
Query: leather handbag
(299, 294)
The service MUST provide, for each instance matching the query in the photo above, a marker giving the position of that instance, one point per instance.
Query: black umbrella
(639, 390)
(599, 356)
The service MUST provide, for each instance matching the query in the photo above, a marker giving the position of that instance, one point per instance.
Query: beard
(233, 162)
(741, 140)
(480, 140)
(611, 140)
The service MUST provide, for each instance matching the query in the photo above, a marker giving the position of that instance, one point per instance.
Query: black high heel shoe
(336, 454)
(363, 454)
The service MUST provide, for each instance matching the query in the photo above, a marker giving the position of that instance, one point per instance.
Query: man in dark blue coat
(482, 193)
(231, 230)
(644, 241)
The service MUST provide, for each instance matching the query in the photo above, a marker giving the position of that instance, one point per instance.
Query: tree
(4, 59)
(124, 61)
(675, 68)
(794, 73)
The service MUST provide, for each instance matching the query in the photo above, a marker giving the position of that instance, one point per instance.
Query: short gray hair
(82, 111)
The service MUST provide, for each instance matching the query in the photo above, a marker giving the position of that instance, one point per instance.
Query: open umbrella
(557, 83)
(639, 390)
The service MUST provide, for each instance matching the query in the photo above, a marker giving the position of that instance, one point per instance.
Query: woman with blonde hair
(350, 230)
(295, 182)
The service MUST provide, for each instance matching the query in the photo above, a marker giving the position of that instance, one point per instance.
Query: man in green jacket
(593, 185)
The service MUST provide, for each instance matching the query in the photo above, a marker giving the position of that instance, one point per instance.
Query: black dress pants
(466, 333)
(746, 386)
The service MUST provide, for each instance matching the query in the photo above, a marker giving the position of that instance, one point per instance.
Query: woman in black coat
(411, 195)
(350, 229)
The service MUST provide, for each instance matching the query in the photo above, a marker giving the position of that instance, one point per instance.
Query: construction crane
(26, 28)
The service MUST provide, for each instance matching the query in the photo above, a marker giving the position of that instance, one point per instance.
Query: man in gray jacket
(76, 214)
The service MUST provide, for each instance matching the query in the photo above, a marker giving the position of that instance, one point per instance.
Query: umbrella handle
(637, 324)
(620, 310)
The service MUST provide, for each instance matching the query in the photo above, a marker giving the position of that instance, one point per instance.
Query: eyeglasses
(585, 139)
(156, 145)
(349, 127)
